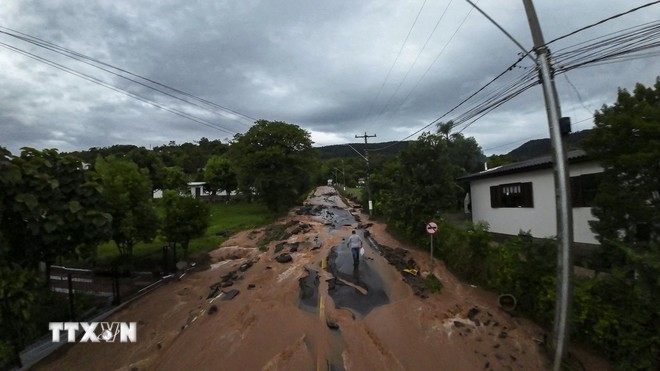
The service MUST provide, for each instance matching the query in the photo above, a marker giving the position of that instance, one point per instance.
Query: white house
(521, 196)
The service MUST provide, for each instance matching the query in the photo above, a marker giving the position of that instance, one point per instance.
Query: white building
(521, 196)
(196, 190)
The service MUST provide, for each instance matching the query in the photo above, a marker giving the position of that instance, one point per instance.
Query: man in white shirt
(354, 242)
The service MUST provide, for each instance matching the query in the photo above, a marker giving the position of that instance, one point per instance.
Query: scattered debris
(397, 258)
(332, 324)
(284, 258)
(507, 302)
(229, 295)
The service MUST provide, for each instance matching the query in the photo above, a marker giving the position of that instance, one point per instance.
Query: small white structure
(196, 190)
(521, 196)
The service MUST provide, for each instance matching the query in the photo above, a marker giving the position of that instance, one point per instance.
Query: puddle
(309, 291)
(359, 289)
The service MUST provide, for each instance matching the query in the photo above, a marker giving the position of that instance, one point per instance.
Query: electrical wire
(405, 77)
(98, 64)
(394, 63)
(116, 89)
(631, 43)
(602, 21)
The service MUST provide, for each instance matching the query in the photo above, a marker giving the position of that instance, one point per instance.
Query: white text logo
(95, 332)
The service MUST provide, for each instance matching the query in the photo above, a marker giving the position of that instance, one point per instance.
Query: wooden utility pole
(366, 157)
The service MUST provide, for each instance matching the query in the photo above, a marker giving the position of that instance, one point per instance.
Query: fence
(102, 288)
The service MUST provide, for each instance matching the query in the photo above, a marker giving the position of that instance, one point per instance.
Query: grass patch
(354, 194)
(432, 283)
(225, 220)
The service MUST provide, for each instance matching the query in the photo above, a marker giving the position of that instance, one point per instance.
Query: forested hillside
(541, 147)
(344, 150)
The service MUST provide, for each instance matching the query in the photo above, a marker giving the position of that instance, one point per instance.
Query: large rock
(284, 258)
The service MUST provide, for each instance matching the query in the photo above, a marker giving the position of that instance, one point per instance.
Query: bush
(619, 318)
(618, 314)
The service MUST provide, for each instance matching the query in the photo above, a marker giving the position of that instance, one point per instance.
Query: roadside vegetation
(96, 209)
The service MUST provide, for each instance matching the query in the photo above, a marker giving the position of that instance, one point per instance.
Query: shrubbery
(616, 314)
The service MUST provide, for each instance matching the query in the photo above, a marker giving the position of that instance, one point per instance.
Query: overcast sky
(322, 65)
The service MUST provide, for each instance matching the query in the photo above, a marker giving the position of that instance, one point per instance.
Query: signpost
(431, 228)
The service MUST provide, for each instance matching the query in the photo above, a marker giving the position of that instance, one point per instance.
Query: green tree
(626, 141)
(276, 159)
(128, 194)
(218, 174)
(499, 160)
(18, 286)
(149, 160)
(52, 207)
(425, 183)
(185, 218)
(173, 178)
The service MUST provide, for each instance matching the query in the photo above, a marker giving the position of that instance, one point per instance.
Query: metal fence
(102, 288)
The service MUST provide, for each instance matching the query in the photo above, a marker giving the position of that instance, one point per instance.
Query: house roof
(525, 166)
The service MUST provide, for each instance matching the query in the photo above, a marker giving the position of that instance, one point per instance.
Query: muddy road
(301, 305)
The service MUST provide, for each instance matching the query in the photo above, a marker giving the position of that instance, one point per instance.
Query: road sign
(431, 228)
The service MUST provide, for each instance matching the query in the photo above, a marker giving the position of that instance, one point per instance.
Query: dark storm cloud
(317, 64)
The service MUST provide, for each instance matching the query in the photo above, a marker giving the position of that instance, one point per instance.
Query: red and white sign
(431, 228)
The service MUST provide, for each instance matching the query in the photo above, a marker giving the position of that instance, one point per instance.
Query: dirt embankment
(244, 313)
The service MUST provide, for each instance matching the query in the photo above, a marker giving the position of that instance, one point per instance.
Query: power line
(510, 68)
(116, 89)
(405, 77)
(436, 59)
(617, 48)
(602, 21)
(395, 60)
(87, 60)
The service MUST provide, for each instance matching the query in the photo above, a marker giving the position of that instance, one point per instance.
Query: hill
(343, 150)
(541, 147)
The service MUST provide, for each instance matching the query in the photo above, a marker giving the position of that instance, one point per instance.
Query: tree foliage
(275, 159)
(626, 141)
(128, 194)
(620, 314)
(185, 218)
(173, 177)
(51, 207)
(419, 183)
(219, 175)
(18, 286)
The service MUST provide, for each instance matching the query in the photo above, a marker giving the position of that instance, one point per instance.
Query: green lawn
(353, 192)
(225, 219)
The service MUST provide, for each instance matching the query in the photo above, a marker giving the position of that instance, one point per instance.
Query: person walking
(355, 244)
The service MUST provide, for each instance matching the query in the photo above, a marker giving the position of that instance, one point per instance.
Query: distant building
(196, 189)
(521, 196)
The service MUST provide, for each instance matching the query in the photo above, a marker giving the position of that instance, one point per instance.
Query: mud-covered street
(302, 305)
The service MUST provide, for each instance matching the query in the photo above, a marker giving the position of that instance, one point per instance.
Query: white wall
(541, 219)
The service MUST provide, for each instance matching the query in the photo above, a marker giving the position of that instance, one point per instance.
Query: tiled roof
(524, 166)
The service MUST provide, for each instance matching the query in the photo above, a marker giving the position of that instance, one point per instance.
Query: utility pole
(366, 157)
(562, 190)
